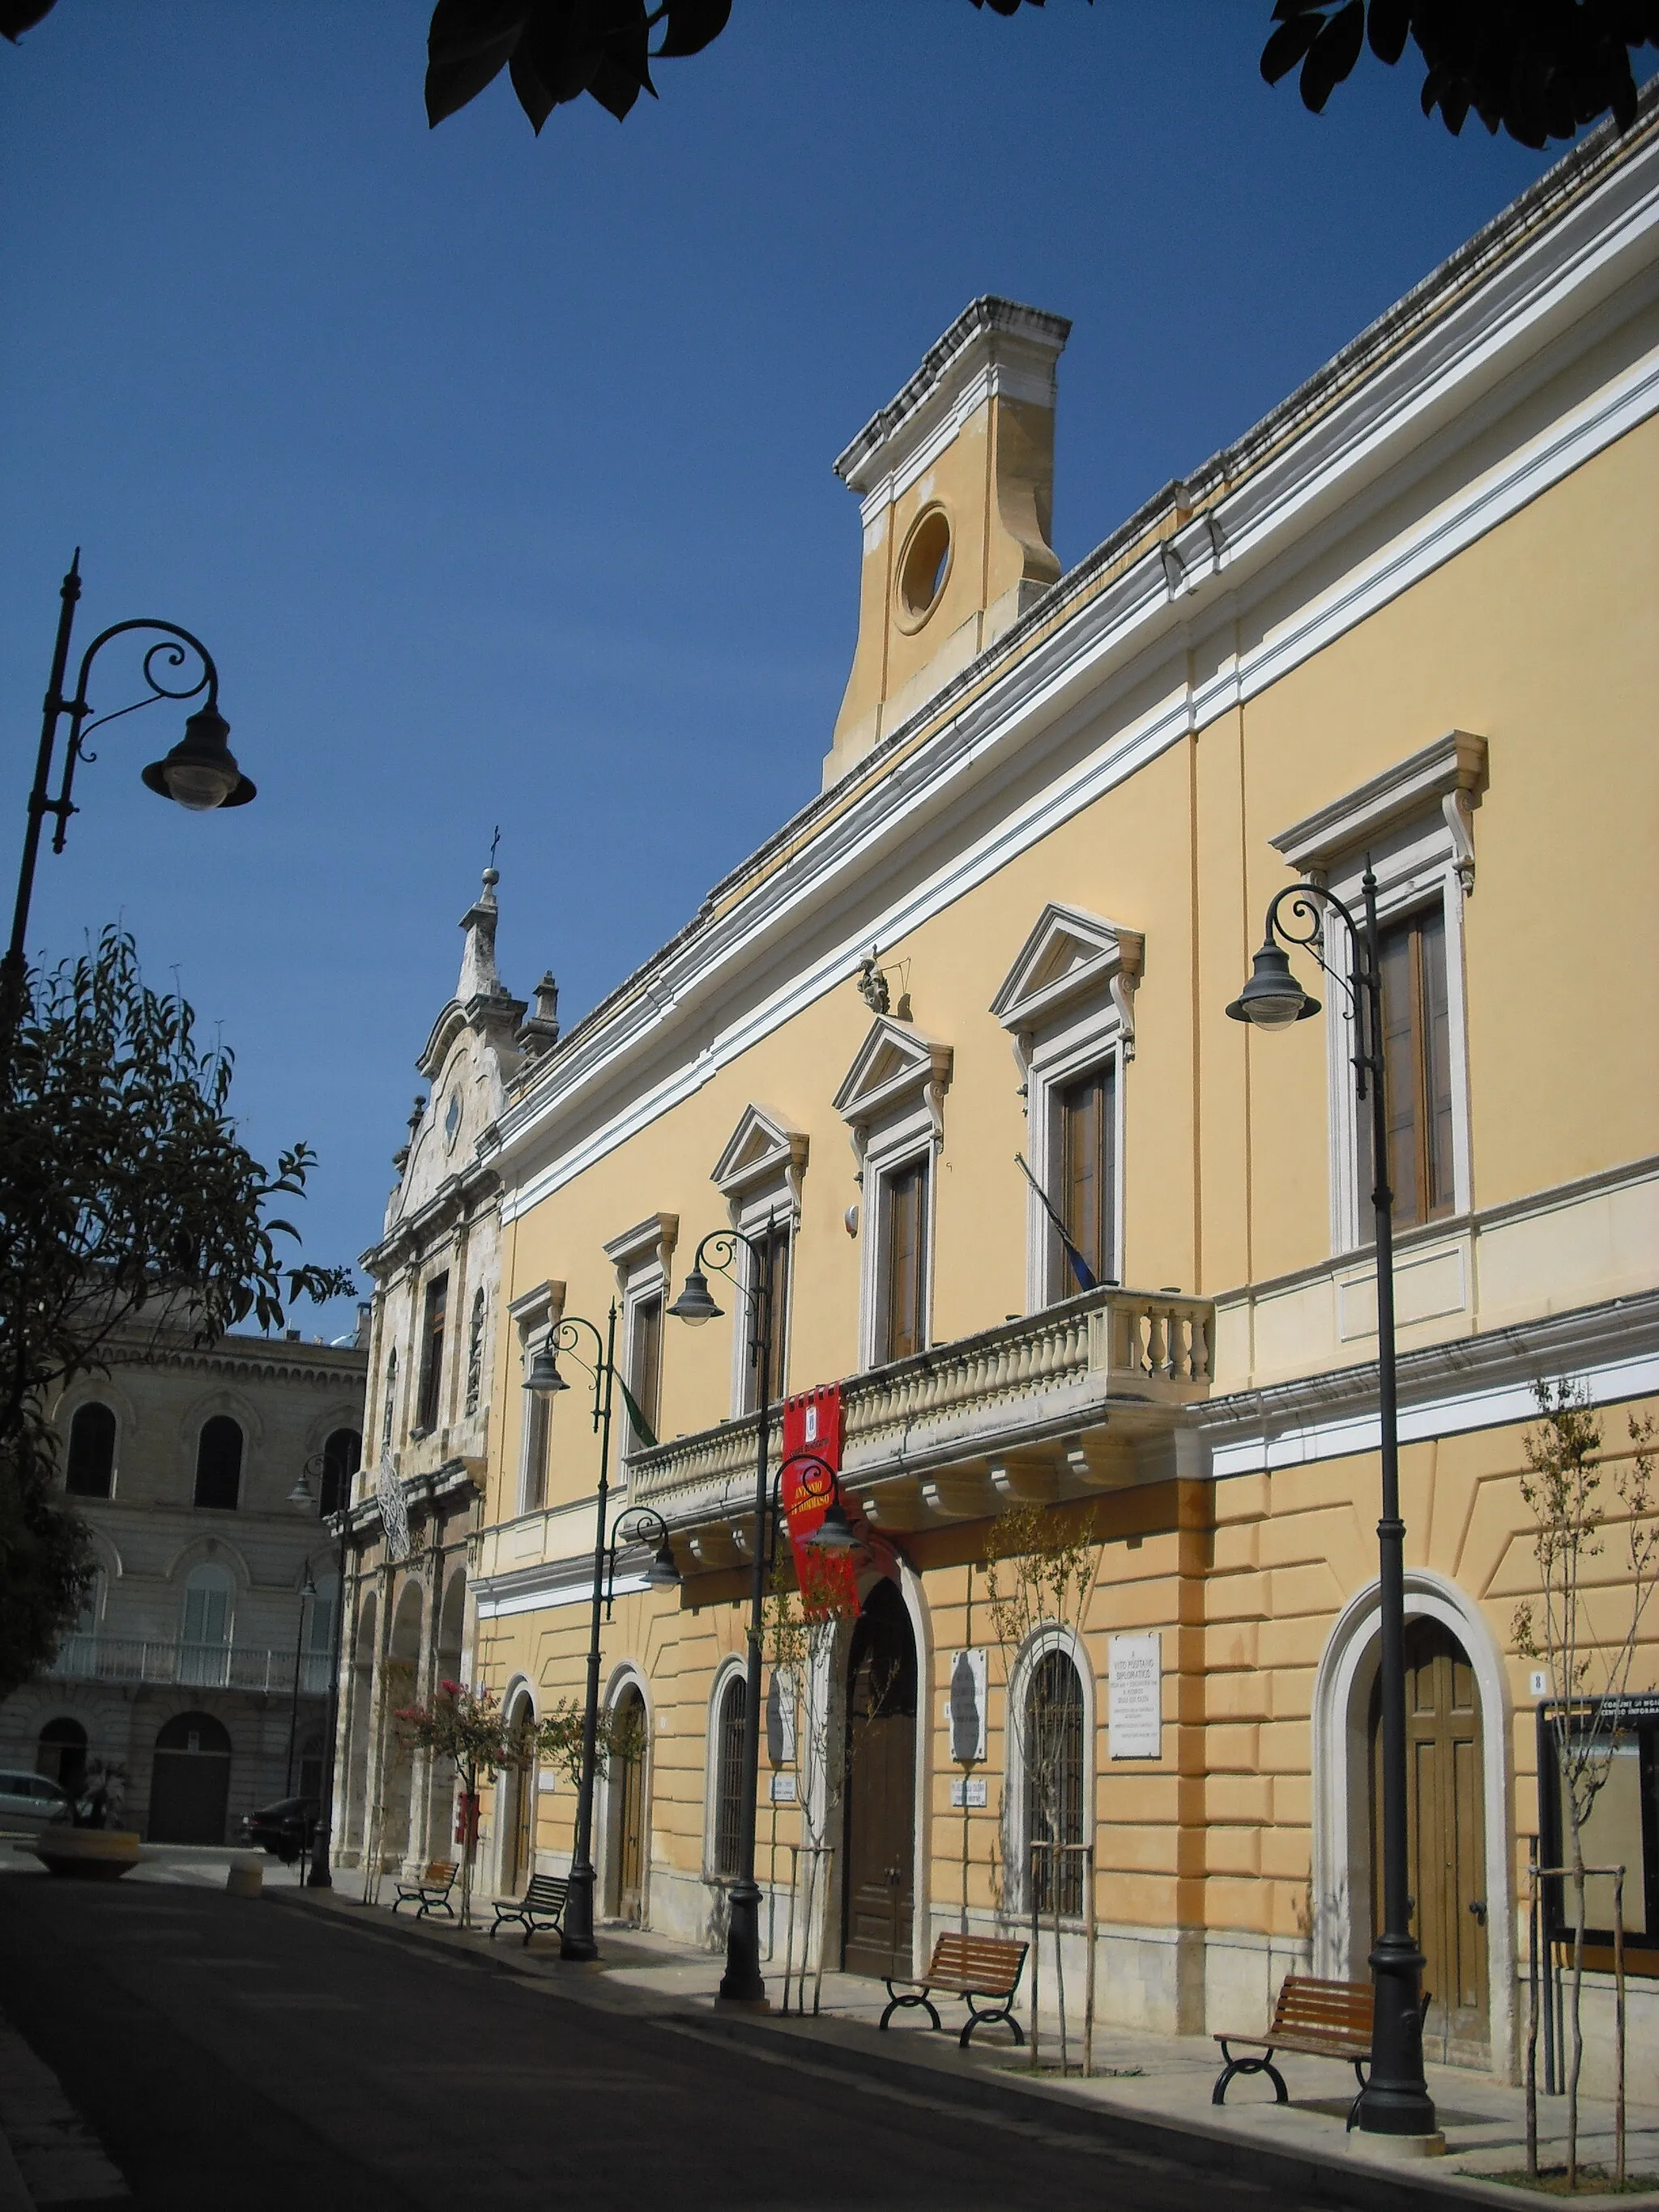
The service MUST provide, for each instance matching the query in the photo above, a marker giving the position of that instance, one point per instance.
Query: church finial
(478, 977)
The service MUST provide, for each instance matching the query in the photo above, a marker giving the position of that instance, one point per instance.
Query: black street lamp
(742, 1983)
(318, 1464)
(576, 1927)
(199, 774)
(308, 1591)
(1395, 2101)
(642, 1526)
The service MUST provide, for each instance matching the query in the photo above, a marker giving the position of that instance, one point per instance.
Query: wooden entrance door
(878, 1882)
(625, 1889)
(1446, 1827)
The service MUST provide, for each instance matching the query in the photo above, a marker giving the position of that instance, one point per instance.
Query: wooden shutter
(646, 1380)
(903, 1260)
(1088, 1128)
(1417, 1043)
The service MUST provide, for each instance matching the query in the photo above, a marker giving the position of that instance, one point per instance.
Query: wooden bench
(1320, 2019)
(430, 1892)
(542, 1903)
(967, 1966)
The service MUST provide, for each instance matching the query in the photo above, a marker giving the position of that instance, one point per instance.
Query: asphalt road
(243, 2056)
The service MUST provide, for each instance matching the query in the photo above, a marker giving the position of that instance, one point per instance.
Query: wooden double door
(879, 1881)
(1446, 1830)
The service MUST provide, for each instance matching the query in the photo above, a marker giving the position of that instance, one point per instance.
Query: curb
(1385, 2185)
(1187, 2143)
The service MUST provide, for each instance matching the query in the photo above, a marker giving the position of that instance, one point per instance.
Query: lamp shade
(201, 773)
(694, 1303)
(1273, 999)
(301, 1493)
(835, 1533)
(662, 1573)
(544, 1376)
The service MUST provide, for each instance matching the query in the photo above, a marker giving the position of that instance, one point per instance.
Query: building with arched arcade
(199, 1665)
(950, 1055)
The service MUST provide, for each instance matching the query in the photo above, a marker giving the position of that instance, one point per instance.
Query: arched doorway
(361, 1725)
(516, 1793)
(878, 1863)
(190, 1781)
(441, 1784)
(1445, 1812)
(624, 1854)
(61, 1754)
(396, 1754)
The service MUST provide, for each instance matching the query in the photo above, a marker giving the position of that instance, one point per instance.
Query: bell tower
(955, 478)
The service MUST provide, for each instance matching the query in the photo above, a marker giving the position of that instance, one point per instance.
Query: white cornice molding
(1479, 1381)
(994, 346)
(1069, 955)
(1451, 774)
(894, 1064)
(764, 1148)
(1457, 376)
(650, 1241)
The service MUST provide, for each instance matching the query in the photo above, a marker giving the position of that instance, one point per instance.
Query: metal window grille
(728, 1778)
(1053, 1782)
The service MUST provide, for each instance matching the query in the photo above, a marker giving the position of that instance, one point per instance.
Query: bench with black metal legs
(1317, 2018)
(970, 1967)
(430, 1892)
(542, 1906)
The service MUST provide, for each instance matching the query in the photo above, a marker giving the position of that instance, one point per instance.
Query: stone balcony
(1086, 1396)
(153, 1661)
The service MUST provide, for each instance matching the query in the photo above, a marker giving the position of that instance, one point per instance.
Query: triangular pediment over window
(1068, 955)
(764, 1148)
(895, 1063)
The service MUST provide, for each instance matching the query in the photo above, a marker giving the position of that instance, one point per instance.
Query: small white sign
(1538, 1683)
(1135, 1679)
(970, 1792)
(783, 1789)
(547, 1777)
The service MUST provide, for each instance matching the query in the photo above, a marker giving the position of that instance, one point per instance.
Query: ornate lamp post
(308, 1591)
(200, 773)
(742, 1982)
(320, 1876)
(1396, 2100)
(576, 1928)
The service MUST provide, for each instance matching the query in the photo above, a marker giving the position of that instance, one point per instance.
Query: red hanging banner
(828, 1581)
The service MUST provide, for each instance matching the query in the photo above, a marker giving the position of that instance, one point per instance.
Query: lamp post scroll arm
(173, 647)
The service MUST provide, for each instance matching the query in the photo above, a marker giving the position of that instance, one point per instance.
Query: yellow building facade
(1408, 617)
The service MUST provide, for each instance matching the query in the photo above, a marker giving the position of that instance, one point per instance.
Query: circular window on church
(453, 1116)
(924, 566)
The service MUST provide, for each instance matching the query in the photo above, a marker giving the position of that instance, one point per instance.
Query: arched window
(728, 1774)
(1053, 1754)
(391, 1397)
(343, 1454)
(474, 1353)
(61, 1754)
(218, 1463)
(205, 1638)
(90, 1471)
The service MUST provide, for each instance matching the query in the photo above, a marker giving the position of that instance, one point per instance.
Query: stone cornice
(248, 1358)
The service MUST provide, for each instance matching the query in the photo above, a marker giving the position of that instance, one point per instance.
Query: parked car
(30, 1801)
(284, 1829)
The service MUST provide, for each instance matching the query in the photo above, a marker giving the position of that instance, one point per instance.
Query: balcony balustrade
(1087, 1395)
(149, 1661)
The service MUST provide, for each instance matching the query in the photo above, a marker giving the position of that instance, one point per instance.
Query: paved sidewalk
(1145, 2087)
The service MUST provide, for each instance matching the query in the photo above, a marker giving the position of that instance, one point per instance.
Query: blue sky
(496, 472)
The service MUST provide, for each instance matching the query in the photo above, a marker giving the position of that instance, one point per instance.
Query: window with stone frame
(433, 1316)
(89, 1463)
(219, 1464)
(903, 1194)
(730, 1711)
(1417, 1055)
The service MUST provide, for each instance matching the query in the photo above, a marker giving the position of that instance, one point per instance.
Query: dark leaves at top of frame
(17, 16)
(1541, 70)
(554, 51)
